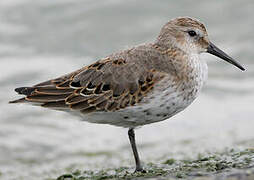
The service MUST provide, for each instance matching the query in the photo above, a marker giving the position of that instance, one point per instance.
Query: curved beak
(212, 49)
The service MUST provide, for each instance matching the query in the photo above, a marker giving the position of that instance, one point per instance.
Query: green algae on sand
(236, 165)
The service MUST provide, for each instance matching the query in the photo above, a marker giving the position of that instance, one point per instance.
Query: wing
(107, 85)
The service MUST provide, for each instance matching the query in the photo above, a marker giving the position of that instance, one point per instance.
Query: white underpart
(165, 101)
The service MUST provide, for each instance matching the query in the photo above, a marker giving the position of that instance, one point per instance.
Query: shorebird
(138, 86)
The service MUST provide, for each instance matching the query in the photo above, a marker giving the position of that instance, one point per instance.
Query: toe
(140, 170)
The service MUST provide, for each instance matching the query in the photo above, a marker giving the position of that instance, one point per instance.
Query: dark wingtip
(25, 90)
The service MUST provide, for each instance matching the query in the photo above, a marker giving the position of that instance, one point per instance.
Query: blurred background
(43, 39)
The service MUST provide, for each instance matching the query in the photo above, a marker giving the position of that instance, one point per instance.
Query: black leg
(135, 151)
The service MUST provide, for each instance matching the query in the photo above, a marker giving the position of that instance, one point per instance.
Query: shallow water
(43, 39)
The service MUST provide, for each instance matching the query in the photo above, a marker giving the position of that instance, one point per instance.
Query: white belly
(156, 107)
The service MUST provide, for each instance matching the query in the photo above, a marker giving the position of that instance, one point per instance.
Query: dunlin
(142, 85)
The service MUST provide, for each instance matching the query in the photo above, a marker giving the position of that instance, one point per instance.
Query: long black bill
(212, 49)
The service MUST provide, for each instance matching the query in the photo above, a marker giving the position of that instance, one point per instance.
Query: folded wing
(107, 85)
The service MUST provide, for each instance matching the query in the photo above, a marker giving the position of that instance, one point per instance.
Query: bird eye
(192, 33)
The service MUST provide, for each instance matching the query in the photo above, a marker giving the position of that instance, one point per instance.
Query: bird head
(190, 35)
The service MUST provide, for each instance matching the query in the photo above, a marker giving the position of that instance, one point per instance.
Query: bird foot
(139, 170)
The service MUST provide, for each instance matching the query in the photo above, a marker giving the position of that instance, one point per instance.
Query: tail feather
(52, 91)
(41, 94)
(47, 93)
(56, 105)
(21, 100)
(24, 91)
(42, 98)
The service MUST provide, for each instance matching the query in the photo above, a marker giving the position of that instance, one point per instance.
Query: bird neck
(186, 67)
